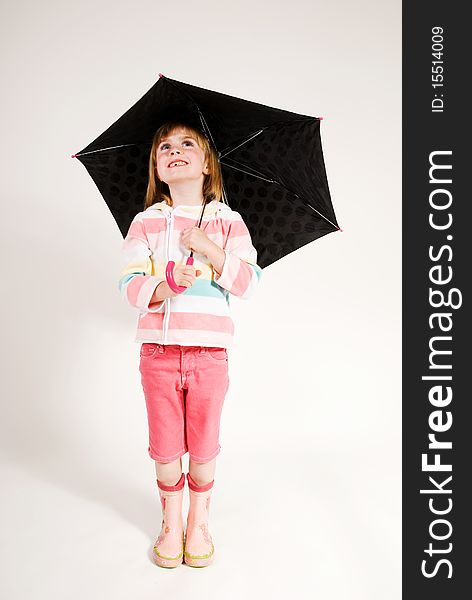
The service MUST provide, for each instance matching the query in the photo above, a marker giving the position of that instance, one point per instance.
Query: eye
(188, 142)
(164, 146)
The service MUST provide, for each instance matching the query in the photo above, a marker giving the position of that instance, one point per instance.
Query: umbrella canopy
(271, 160)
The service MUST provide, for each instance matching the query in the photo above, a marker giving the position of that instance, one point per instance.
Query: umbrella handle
(178, 289)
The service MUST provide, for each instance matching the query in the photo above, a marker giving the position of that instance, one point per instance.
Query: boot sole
(199, 562)
(168, 563)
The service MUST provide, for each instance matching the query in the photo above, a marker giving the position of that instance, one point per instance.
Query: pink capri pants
(184, 388)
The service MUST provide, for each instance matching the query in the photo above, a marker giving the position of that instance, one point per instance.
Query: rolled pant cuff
(165, 459)
(199, 459)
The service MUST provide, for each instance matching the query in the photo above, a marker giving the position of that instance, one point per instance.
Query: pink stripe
(133, 288)
(243, 279)
(192, 321)
(233, 228)
(201, 321)
(155, 225)
(136, 230)
(151, 321)
(223, 226)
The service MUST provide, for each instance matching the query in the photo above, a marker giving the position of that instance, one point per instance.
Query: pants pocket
(217, 354)
(148, 350)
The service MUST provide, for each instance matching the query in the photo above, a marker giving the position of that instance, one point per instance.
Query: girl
(184, 337)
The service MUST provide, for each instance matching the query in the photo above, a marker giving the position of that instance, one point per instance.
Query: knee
(202, 473)
(169, 473)
(168, 463)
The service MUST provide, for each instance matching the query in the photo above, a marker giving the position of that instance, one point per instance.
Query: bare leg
(169, 473)
(202, 473)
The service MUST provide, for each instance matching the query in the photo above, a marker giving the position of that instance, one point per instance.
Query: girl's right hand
(185, 275)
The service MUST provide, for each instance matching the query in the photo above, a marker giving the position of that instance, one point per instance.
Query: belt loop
(160, 348)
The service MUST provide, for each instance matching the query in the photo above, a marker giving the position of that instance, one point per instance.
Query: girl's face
(179, 148)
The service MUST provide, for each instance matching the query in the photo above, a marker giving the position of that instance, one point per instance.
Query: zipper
(169, 219)
(167, 312)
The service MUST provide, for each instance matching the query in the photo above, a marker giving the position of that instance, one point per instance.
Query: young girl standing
(184, 337)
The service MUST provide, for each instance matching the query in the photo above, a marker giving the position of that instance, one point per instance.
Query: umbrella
(271, 161)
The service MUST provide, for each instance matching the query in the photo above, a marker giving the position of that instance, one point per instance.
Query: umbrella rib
(205, 126)
(290, 192)
(200, 114)
(103, 149)
(302, 118)
(224, 153)
(322, 216)
(254, 173)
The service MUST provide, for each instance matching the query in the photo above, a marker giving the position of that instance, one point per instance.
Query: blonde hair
(158, 190)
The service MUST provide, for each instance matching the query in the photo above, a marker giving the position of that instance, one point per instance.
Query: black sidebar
(437, 358)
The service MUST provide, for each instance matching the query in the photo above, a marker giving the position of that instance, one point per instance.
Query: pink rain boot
(169, 546)
(199, 550)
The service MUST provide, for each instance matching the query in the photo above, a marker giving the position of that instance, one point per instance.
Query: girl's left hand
(196, 239)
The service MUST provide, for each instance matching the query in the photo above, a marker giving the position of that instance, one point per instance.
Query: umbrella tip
(73, 155)
(319, 118)
(160, 75)
(339, 229)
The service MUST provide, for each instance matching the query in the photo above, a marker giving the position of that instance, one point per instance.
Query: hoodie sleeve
(240, 273)
(137, 284)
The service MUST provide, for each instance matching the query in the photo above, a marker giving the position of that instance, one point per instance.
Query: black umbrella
(271, 161)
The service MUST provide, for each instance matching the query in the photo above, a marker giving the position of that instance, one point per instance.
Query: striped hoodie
(199, 316)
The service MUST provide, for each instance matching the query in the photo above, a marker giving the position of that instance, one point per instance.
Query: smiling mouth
(180, 163)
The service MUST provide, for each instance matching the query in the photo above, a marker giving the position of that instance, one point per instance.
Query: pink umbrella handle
(178, 289)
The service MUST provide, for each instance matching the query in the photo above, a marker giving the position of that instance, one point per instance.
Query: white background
(307, 495)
